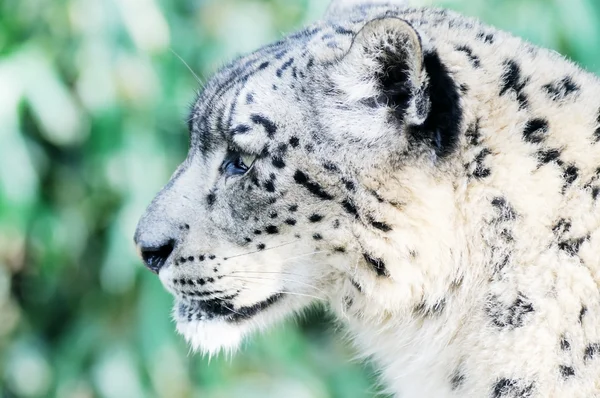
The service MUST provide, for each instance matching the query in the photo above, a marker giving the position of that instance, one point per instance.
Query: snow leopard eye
(236, 163)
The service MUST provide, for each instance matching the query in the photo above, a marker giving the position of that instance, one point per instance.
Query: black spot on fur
(570, 175)
(293, 208)
(356, 285)
(549, 156)
(210, 199)
(257, 232)
(475, 61)
(442, 127)
(315, 218)
(317, 237)
(330, 167)
(201, 257)
(561, 227)
(336, 224)
(339, 249)
(272, 230)
(478, 168)
(380, 225)
(283, 67)
(513, 81)
(261, 246)
(560, 89)
(269, 186)
(290, 221)
(597, 131)
(566, 371)
(282, 149)
(294, 142)
(512, 388)
(278, 162)
(511, 316)
(350, 207)
(212, 257)
(590, 351)
(564, 344)
(473, 134)
(263, 65)
(571, 246)
(349, 184)
(535, 130)
(430, 310)
(343, 31)
(486, 37)
(313, 187)
(505, 210)
(582, 313)
(268, 125)
(377, 264)
(457, 380)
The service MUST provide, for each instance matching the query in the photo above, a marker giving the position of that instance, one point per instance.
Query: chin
(212, 336)
(212, 327)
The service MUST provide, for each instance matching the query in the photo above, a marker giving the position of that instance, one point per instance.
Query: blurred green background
(92, 108)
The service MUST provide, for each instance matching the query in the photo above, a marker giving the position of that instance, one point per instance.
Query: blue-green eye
(237, 164)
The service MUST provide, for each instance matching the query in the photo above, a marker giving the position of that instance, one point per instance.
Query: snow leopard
(432, 180)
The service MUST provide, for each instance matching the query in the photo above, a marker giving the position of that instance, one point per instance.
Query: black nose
(155, 257)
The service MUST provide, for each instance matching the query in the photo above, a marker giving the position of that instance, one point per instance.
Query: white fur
(483, 284)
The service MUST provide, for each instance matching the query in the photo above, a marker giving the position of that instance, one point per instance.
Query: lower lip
(218, 308)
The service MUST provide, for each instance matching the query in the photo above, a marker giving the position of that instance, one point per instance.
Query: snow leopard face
(281, 193)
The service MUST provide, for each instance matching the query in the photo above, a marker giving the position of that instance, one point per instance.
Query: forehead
(270, 71)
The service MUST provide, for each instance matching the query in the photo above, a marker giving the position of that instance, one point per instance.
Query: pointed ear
(384, 66)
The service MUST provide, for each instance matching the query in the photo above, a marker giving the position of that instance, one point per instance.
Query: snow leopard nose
(155, 257)
(155, 239)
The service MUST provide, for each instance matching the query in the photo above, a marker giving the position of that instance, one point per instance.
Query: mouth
(222, 309)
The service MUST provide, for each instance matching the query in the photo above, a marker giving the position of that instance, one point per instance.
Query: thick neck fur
(485, 248)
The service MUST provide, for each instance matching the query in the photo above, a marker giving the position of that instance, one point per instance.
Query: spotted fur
(434, 181)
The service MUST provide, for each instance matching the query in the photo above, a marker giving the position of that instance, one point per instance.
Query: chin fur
(212, 336)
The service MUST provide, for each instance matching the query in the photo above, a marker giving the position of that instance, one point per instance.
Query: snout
(156, 237)
(155, 256)
(164, 224)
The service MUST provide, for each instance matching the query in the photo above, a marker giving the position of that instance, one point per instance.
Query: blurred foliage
(93, 96)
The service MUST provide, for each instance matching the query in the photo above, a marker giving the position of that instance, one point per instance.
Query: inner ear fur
(388, 53)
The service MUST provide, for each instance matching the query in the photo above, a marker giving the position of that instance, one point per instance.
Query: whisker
(187, 66)
(301, 294)
(303, 255)
(268, 273)
(246, 278)
(230, 309)
(262, 251)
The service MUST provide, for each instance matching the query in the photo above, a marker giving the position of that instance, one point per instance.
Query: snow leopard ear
(385, 65)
